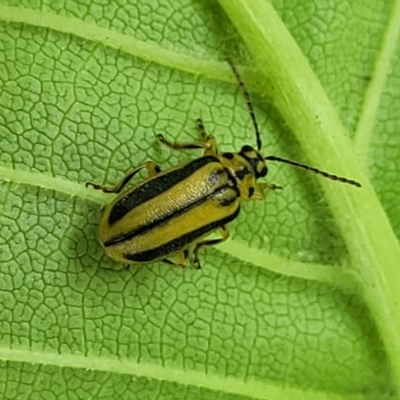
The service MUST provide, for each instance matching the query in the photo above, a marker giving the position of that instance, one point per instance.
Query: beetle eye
(263, 172)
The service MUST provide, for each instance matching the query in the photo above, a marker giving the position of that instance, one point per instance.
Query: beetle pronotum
(171, 212)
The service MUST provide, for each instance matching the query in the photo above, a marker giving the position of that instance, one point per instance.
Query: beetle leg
(169, 262)
(185, 256)
(152, 169)
(202, 130)
(179, 146)
(210, 143)
(262, 188)
(206, 243)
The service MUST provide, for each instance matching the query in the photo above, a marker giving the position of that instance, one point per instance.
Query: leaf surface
(274, 313)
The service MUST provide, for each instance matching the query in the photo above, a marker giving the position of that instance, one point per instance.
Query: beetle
(173, 211)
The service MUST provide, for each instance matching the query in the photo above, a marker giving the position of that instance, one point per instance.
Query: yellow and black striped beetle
(171, 212)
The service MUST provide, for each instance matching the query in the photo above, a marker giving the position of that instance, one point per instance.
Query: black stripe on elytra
(180, 242)
(154, 187)
(140, 230)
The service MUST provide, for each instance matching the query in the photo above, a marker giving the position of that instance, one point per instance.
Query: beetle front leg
(262, 190)
(152, 169)
(223, 230)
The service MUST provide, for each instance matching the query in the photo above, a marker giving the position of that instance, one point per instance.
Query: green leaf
(301, 302)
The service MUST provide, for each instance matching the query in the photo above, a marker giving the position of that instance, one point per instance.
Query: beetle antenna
(317, 171)
(248, 101)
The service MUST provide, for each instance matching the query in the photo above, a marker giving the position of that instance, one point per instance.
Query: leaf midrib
(373, 246)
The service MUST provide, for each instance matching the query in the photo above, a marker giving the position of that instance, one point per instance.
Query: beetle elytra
(171, 213)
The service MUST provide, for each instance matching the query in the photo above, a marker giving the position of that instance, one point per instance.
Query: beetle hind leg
(223, 230)
(169, 262)
(183, 257)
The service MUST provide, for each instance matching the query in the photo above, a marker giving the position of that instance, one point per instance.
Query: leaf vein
(377, 84)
